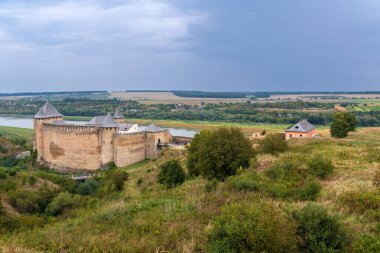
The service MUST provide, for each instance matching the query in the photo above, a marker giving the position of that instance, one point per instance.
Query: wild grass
(146, 216)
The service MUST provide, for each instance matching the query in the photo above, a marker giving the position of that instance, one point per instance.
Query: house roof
(302, 127)
(47, 111)
(118, 114)
(152, 128)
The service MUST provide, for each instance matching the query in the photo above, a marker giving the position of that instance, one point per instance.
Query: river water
(27, 122)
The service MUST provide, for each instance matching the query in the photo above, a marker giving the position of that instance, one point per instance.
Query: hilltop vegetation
(275, 205)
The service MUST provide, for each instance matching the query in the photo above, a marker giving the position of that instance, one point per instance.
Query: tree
(219, 154)
(342, 124)
(321, 166)
(171, 174)
(273, 143)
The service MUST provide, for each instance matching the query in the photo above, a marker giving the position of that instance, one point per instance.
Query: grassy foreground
(147, 217)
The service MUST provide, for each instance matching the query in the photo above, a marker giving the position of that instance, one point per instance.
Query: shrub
(319, 231)
(32, 180)
(89, 187)
(171, 174)
(211, 185)
(219, 154)
(24, 201)
(360, 202)
(310, 190)
(320, 166)
(139, 181)
(252, 227)
(3, 175)
(7, 185)
(376, 179)
(61, 202)
(367, 244)
(12, 172)
(273, 143)
(118, 178)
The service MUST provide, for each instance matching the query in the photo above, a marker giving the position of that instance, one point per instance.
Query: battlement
(66, 128)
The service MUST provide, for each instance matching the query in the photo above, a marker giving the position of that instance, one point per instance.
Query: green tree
(193, 156)
(62, 201)
(273, 143)
(171, 174)
(219, 154)
(342, 124)
(319, 231)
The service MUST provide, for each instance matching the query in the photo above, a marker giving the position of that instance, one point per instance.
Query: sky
(209, 45)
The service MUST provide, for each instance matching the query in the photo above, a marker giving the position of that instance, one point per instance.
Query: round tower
(46, 114)
(108, 129)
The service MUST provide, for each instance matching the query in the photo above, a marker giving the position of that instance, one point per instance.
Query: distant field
(167, 97)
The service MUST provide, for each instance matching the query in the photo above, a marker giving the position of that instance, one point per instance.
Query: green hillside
(147, 217)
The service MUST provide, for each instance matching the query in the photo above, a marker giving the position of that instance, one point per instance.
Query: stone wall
(74, 147)
(129, 148)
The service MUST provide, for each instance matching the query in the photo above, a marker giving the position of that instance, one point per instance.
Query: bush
(24, 201)
(219, 154)
(319, 231)
(61, 202)
(118, 178)
(32, 180)
(252, 227)
(376, 179)
(367, 244)
(12, 172)
(211, 185)
(320, 166)
(171, 174)
(3, 175)
(89, 187)
(311, 189)
(139, 181)
(361, 202)
(273, 143)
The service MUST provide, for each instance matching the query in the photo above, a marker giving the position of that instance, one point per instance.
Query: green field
(16, 131)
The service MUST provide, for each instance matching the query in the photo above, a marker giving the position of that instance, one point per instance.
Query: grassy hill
(147, 217)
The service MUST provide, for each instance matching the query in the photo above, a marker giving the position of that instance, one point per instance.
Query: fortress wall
(129, 148)
(154, 138)
(69, 146)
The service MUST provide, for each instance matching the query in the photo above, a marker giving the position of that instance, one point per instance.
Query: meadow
(147, 217)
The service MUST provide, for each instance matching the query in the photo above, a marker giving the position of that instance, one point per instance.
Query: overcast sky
(221, 45)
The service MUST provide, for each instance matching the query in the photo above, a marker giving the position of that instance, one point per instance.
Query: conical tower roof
(47, 111)
(118, 114)
(152, 128)
(108, 121)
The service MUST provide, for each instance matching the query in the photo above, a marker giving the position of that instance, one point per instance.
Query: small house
(302, 129)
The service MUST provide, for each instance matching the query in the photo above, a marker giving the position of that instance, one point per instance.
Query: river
(27, 122)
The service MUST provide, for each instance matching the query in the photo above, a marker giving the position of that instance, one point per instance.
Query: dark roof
(152, 128)
(103, 121)
(108, 121)
(303, 127)
(97, 120)
(118, 114)
(47, 111)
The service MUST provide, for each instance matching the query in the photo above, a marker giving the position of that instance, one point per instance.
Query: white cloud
(147, 24)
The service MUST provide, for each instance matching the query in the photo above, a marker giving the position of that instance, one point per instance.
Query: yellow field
(168, 98)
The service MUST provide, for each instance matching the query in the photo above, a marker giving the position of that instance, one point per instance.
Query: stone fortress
(92, 145)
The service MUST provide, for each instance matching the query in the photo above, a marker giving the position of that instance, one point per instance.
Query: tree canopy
(342, 124)
(219, 154)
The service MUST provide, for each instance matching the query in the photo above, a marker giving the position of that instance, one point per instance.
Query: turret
(46, 114)
(108, 128)
(118, 116)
